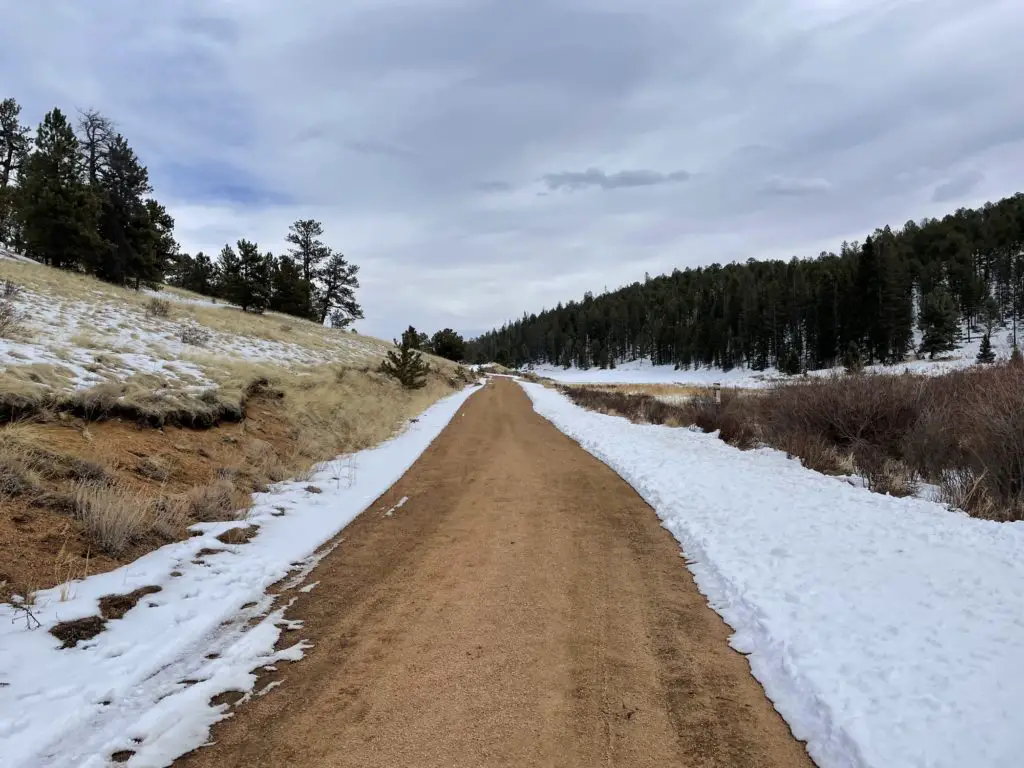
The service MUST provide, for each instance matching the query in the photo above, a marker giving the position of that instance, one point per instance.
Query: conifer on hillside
(939, 323)
(57, 210)
(405, 363)
(985, 351)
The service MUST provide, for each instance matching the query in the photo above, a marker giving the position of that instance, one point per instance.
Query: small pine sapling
(985, 352)
(405, 363)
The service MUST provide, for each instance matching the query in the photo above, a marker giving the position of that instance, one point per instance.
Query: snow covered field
(86, 332)
(145, 682)
(889, 633)
(642, 372)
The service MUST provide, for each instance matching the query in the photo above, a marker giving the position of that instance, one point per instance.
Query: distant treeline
(965, 270)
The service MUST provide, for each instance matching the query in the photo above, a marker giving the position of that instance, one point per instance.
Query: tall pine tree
(939, 323)
(124, 224)
(58, 212)
(336, 296)
(14, 146)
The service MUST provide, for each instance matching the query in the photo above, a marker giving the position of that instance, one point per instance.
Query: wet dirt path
(522, 608)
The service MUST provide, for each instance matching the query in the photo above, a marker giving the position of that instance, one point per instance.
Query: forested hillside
(962, 273)
(81, 200)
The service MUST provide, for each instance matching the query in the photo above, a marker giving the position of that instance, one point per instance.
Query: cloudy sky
(479, 158)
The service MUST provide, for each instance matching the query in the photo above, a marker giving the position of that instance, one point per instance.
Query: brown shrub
(157, 307)
(963, 430)
(10, 319)
(212, 503)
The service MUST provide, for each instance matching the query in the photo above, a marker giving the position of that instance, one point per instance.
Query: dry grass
(209, 503)
(221, 318)
(10, 319)
(114, 517)
(144, 495)
(654, 390)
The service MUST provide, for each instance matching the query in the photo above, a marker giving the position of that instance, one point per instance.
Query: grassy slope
(93, 369)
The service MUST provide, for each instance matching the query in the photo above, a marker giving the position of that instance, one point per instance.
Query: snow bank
(888, 632)
(144, 683)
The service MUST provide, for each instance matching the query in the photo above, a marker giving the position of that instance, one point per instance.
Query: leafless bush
(195, 335)
(638, 408)
(993, 431)
(814, 452)
(962, 489)
(9, 289)
(157, 307)
(10, 319)
(884, 475)
(878, 410)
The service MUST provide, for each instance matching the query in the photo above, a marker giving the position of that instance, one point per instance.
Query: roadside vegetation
(962, 432)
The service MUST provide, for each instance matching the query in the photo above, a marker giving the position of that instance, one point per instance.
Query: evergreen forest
(919, 289)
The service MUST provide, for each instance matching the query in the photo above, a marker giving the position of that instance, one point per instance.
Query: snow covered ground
(88, 332)
(889, 633)
(145, 682)
(642, 372)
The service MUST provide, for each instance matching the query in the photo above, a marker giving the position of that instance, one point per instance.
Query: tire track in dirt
(523, 608)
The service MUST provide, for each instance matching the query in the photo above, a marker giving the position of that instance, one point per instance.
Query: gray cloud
(788, 185)
(492, 186)
(382, 148)
(957, 186)
(593, 177)
(381, 118)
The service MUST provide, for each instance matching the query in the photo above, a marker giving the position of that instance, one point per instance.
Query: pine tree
(405, 363)
(124, 222)
(198, 274)
(985, 352)
(939, 323)
(1015, 356)
(791, 363)
(309, 250)
(253, 285)
(335, 296)
(14, 145)
(161, 248)
(450, 345)
(230, 285)
(292, 295)
(58, 212)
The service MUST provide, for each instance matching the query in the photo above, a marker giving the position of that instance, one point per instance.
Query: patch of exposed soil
(71, 633)
(41, 544)
(116, 606)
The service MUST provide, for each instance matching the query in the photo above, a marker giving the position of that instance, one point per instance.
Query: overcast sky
(479, 158)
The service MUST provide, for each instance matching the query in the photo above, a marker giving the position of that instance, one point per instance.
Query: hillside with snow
(74, 332)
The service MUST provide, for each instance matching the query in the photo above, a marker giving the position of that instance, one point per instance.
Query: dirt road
(522, 608)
